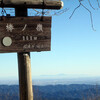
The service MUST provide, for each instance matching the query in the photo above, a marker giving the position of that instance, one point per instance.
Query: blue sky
(75, 47)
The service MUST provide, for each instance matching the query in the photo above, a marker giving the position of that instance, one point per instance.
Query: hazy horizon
(62, 79)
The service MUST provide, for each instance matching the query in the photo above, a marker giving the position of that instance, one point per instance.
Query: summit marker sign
(25, 34)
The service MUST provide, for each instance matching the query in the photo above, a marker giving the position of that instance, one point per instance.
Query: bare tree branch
(60, 12)
(91, 5)
(37, 11)
(80, 4)
(74, 11)
(47, 12)
(50, 13)
(90, 15)
(98, 4)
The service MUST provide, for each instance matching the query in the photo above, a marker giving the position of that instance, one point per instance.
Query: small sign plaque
(25, 34)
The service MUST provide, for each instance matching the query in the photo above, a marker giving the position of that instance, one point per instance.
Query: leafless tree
(65, 9)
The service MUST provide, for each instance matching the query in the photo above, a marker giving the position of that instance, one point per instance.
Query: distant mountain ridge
(62, 79)
(59, 76)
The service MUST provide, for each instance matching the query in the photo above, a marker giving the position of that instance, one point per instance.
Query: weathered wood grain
(24, 36)
(41, 4)
(25, 80)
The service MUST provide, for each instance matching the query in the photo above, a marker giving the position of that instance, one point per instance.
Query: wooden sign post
(24, 66)
(25, 80)
(24, 34)
(34, 36)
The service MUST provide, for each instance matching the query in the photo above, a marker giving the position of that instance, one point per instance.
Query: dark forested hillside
(54, 92)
